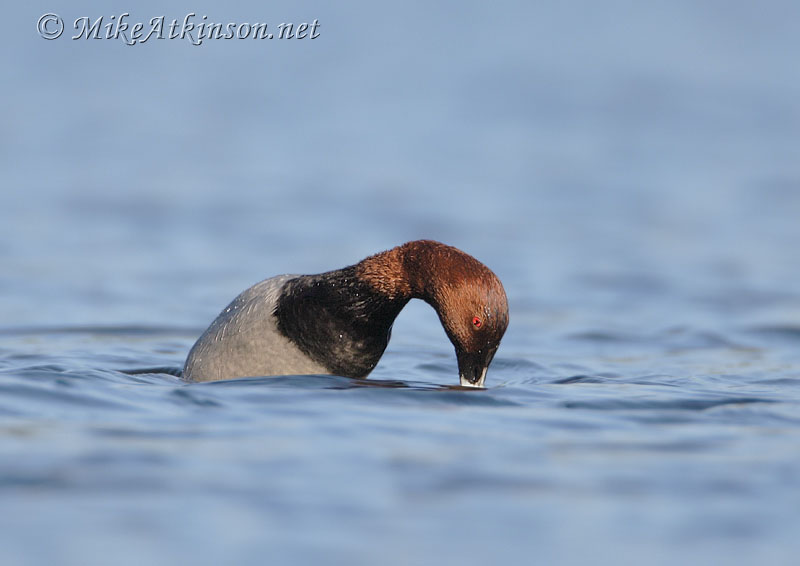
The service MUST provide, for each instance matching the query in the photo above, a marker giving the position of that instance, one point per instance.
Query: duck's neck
(411, 271)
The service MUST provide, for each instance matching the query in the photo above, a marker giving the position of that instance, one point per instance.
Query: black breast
(338, 320)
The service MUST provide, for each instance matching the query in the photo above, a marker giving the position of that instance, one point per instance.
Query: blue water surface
(630, 172)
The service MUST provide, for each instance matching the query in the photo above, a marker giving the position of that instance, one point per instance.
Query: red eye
(477, 322)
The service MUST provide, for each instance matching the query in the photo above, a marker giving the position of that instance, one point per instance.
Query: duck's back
(244, 340)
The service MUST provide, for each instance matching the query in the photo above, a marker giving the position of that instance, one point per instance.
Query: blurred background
(630, 171)
(550, 140)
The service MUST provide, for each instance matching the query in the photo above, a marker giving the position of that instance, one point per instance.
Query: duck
(339, 322)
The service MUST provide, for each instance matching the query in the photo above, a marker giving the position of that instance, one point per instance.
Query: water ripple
(687, 404)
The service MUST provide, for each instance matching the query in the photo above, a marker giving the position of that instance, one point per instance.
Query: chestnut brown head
(475, 316)
(469, 299)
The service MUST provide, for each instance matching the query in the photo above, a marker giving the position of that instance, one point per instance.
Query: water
(631, 174)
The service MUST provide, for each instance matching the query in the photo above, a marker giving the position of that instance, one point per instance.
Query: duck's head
(474, 313)
(470, 301)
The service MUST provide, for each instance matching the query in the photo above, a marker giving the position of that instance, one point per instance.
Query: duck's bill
(472, 368)
(467, 382)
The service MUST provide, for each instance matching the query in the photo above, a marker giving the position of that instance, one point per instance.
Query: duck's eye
(477, 322)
